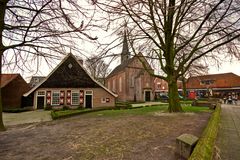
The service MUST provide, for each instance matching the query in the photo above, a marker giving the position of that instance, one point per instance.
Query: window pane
(75, 98)
(55, 98)
(40, 93)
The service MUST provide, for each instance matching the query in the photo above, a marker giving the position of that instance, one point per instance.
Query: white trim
(40, 94)
(85, 97)
(70, 54)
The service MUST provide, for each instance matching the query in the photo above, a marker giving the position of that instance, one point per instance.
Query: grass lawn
(123, 112)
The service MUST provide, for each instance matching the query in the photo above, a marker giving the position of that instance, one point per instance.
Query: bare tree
(178, 32)
(33, 29)
(97, 68)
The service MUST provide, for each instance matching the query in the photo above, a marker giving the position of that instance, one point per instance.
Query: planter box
(185, 145)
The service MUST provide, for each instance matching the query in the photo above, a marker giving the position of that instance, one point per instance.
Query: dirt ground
(139, 137)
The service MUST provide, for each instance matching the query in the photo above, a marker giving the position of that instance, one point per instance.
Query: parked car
(164, 96)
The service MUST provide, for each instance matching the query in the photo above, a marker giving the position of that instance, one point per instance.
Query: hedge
(16, 110)
(67, 113)
(205, 146)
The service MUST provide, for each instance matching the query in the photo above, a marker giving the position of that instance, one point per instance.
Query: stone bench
(185, 145)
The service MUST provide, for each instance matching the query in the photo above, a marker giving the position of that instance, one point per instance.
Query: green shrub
(47, 108)
(205, 146)
(65, 108)
(123, 105)
(56, 114)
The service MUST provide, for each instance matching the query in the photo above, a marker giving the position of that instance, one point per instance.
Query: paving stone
(228, 140)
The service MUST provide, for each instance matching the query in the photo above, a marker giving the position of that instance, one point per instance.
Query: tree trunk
(2, 128)
(174, 102)
(184, 87)
(3, 4)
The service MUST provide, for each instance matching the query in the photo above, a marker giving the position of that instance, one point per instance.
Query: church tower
(125, 55)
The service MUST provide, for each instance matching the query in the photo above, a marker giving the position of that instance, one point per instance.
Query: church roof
(126, 64)
(121, 67)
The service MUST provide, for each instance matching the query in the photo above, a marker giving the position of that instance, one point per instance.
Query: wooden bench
(185, 145)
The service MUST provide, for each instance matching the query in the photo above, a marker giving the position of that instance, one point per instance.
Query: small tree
(97, 68)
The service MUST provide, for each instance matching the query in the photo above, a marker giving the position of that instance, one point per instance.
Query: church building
(130, 80)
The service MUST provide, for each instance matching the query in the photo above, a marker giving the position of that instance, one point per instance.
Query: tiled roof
(126, 63)
(120, 67)
(7, 78)
(224, 80)
(35, 80)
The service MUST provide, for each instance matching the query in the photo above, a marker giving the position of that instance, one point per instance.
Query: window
(41, 93)
(206, 82)
(120, 84)
(89, 92)
(75, 98)
(109, 87)
(114, 85)
(70, 65)
(132, 81)
(158, 85)
(55, 98)
(103, 100)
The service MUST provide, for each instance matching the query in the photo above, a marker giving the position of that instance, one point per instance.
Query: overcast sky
(233, 66)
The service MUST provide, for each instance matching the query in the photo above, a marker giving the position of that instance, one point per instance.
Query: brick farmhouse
(69, 84)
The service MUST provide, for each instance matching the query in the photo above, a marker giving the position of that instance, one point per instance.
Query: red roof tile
(7, 78)
(225, 80)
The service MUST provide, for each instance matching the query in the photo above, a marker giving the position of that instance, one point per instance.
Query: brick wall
(97, 97)
(134, 81)
(12, 93)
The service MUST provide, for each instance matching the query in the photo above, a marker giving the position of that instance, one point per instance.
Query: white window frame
(41, 95)
(73, 92)
(103, 100)
(52, 98)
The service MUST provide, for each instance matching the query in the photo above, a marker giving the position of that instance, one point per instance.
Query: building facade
(216, 85)
(13, 86)
(130, 80)
(69, 84)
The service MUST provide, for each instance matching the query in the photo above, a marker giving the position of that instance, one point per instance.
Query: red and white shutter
(62, 93)
(48, 97)
(81, 97)
(68, 97)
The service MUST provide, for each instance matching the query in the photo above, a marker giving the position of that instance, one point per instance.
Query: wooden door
(40, 102)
